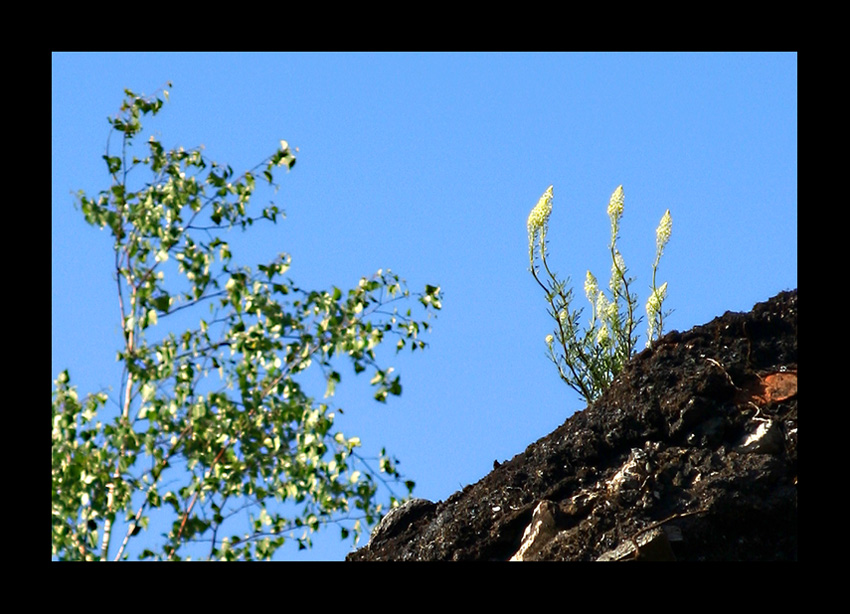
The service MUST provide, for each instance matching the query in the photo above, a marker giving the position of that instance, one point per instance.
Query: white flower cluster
(662, 234)
(653, 308)
(656, 298)
(591, 288)
(615, 204)
(615, 209)
(538, 220)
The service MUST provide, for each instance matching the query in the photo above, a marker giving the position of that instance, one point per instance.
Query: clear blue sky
(428, 164)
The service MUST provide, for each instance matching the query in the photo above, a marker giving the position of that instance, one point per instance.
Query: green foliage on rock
(589, 359)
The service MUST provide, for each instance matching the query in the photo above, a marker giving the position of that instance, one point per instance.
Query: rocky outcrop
(690, 455)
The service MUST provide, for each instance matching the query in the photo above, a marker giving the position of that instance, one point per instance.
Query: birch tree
(213, 428)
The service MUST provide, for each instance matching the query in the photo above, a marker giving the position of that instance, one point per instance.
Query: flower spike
(538, 220)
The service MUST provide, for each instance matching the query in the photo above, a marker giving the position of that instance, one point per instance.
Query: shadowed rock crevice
(691, 454)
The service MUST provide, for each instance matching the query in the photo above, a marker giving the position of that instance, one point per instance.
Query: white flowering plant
(588, 360)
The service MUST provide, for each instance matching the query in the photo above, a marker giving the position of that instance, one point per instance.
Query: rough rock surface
(690, 455)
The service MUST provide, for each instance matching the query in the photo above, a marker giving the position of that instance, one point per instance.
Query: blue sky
(428, 164)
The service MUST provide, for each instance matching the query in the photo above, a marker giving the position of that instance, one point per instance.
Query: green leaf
(113, 163)
(395, 387)
(199, 410)
(332, 380)
(148, 391)
(162, 302)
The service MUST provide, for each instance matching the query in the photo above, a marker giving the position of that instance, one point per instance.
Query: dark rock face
(690, 455)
